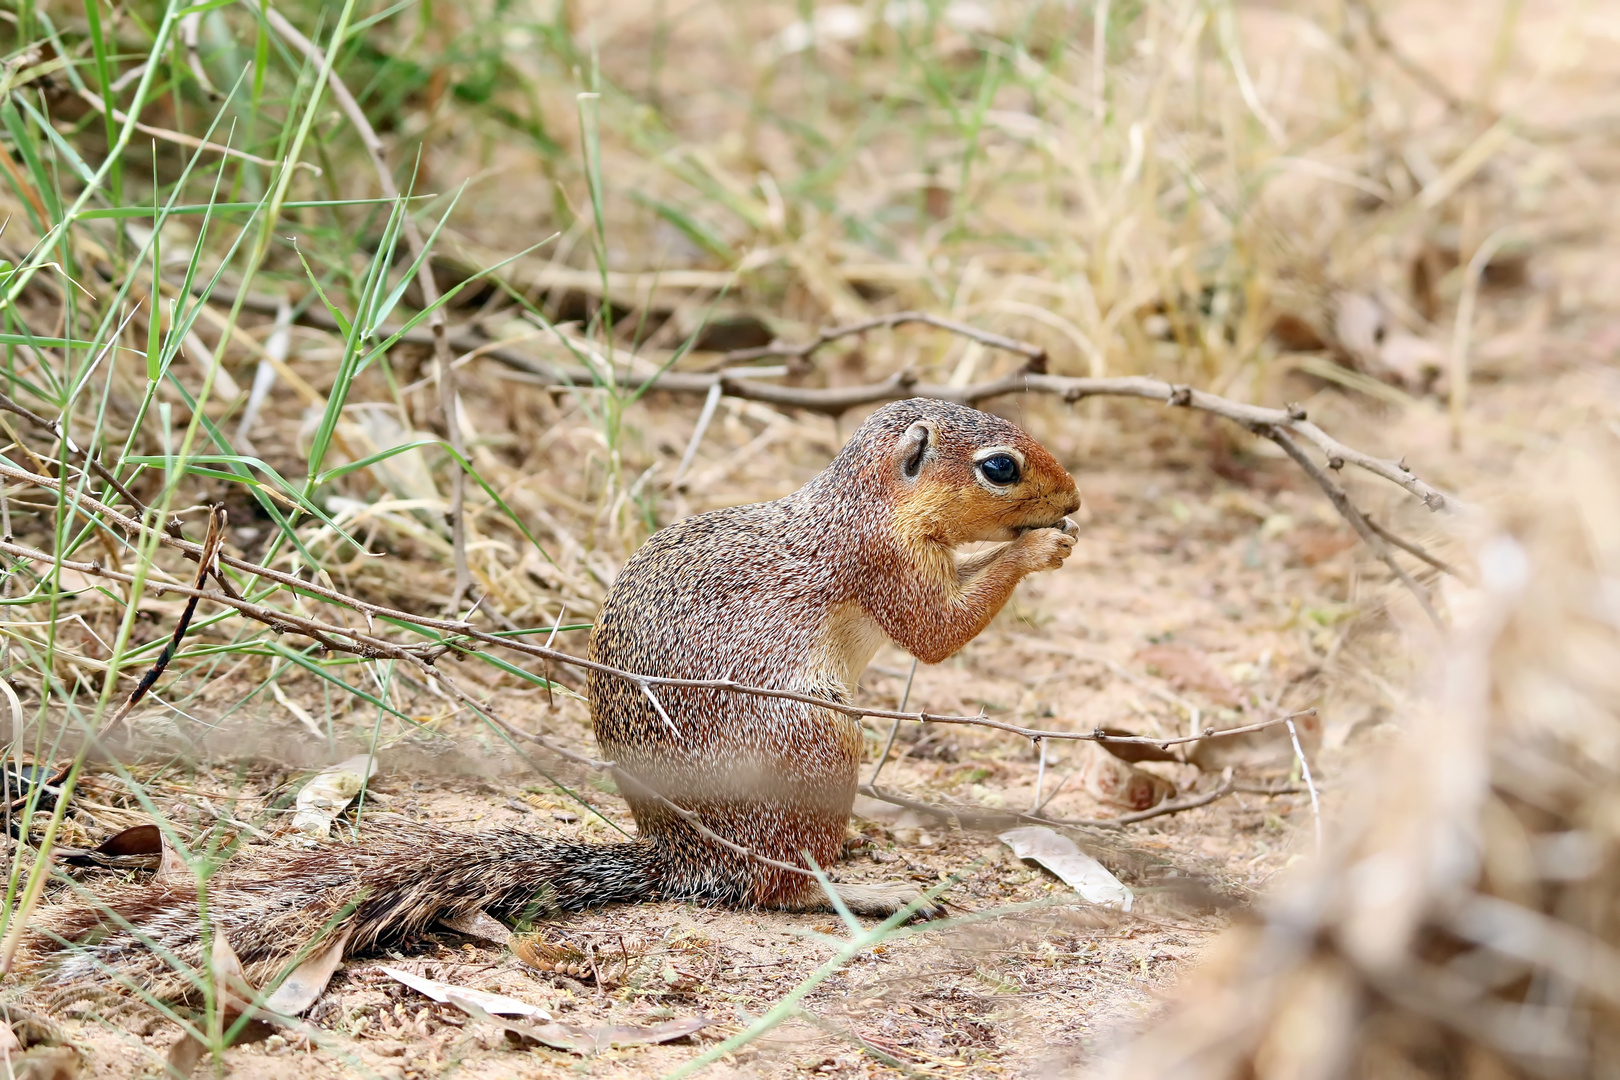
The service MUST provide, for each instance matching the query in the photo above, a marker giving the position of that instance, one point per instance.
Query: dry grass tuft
(1466, 927)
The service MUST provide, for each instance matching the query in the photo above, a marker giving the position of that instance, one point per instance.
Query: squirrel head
(954, 475)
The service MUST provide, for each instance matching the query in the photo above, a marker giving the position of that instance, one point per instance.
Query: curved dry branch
(1031, 379)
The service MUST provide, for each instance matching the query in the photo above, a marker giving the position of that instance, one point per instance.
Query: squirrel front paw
(1046, 548)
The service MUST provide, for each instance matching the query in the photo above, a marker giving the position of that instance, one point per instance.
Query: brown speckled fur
(794, 594)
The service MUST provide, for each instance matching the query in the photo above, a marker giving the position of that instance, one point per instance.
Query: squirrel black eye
(999, 469)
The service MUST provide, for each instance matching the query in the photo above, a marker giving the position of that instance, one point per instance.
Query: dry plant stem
(894, 728)
(1035, 804)
(1416, 550)
(1463, 330)
(448, 399)
(210, 552)
(331, 637)
(692, 818)
(1418, 74)
(1310, 784)
(95, 102)
(1352, 514)
(54, 429)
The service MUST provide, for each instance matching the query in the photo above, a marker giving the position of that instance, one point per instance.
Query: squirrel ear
(914, 447)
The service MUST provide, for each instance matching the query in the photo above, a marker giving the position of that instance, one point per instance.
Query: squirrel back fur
(794, 594)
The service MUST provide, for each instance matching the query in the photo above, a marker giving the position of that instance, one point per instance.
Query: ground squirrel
(794, 594)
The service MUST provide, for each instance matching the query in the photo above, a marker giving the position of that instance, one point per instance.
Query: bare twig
(658, 707)
(1030, 379)
(1414, 71)
(1310, 784)
(1352, 514)
(449, 401)
(1267, 422)
(894, 729)
(210, 551)
(54, 429)
(1416, 550)
(190, 25)
(692, 818)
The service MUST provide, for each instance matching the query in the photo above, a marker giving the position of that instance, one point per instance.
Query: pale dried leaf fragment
(1063, 857)
(499, 1004)
(298, 711)
(582, 1040)
(233, 994)
(479, 924)
(304, 986)
(1110, 780)
(329, 791)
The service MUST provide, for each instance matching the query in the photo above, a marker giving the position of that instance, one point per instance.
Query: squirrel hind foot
(882, 900)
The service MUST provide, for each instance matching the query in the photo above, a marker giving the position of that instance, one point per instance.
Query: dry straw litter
(1468, 927)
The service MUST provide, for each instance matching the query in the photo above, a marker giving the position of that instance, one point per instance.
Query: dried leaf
(188, 1053)
(231, 987)
(1063, 857)
(171, 867)
(583, 1040)
(184, 1056)
(303, 987)
(135, 840)
(329, 791)
(499, 1004)
(1110, 780)
(479, 924)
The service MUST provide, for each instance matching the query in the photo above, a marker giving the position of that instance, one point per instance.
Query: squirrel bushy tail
(270, 902)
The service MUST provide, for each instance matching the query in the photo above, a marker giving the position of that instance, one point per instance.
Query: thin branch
(372, 648)
(692, 818)
(1352, 514)
(1310, 784)
(658, 707)
(1414, 71)
(1415, 549)
(894, 728)
(210, 551)
(54, 429)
